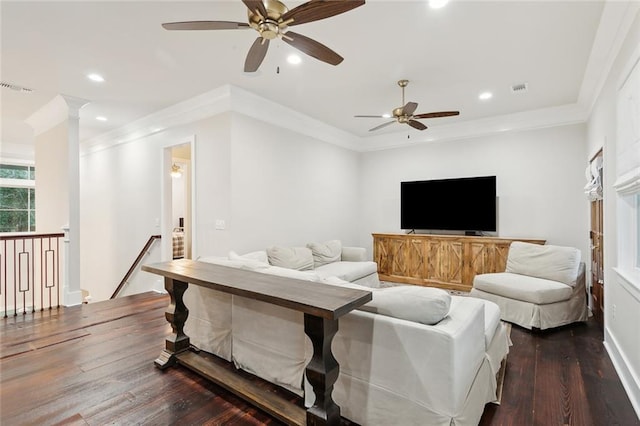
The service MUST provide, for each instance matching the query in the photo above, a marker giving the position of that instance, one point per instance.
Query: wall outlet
(613, 311)
(220, 224)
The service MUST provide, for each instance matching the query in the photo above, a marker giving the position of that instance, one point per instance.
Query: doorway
(178, 211)
(596, 235)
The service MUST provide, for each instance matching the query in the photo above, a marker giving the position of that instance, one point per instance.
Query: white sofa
(393, 369)
(542, 287)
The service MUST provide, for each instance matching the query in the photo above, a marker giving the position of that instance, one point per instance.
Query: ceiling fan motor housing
(268, 26)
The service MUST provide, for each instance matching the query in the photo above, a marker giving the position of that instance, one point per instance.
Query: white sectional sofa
(412, 356)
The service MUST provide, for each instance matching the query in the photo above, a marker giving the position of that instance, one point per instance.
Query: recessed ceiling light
(294, 59)
(387, 115)
(101, 118)
(95, 77)
(437, 4)
(485, 95)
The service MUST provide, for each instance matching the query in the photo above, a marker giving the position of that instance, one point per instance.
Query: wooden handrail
(29, 236)
(135, 264)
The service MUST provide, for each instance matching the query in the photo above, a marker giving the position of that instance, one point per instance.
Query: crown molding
(615, 23)
(234, 99)
(57, 110)
(528, 120)
(197, 108)
(252, 105)
(217, 101)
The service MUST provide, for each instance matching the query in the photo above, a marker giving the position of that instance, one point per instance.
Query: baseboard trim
(630, 383)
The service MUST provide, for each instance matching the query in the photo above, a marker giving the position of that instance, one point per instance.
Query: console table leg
(322, 371)
(176, 314)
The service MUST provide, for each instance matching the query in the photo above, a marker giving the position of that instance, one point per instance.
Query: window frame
(21, 183)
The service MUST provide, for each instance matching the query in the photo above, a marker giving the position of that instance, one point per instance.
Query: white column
(71, 289)
(65, 109)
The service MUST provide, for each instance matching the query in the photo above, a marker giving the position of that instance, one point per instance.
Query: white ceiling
(449, 55)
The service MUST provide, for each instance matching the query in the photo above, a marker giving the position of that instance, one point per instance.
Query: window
(17, 198)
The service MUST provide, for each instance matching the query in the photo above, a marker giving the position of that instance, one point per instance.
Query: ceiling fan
(272, 19)
(405, 114)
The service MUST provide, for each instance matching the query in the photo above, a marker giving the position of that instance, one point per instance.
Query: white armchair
(543, 286)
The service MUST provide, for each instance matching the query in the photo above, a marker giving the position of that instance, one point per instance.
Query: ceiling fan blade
(252, 5)
(409, 108)
(312, 48)
(437, 114)
(256, 54)
(316, 10)
(370, 116)
(205, 25)
(416, 125)
(382, 125)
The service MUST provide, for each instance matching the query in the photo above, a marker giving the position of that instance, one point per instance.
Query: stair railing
(30, 272)
(135, 264)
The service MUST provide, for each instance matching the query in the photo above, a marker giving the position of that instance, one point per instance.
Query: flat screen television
(462, 204)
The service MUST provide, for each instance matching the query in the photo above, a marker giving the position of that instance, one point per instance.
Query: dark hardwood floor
(93, 364)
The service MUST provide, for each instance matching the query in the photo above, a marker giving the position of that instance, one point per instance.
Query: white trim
(17, 183)
(17, 161)
(537, 119)
(627, 282)
(619, 362)
(615, 24)
(166, 198)
(628, 68)
(231, 98)
(628, 183)
(630, 380)
(59, 109)
(199, 107)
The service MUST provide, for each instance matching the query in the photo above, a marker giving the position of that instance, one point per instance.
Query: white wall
(540, 176)
(289, 189)
(621, 297)
(270, 186)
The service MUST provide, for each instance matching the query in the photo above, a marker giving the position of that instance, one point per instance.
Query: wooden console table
(446, 261)
(322, 306)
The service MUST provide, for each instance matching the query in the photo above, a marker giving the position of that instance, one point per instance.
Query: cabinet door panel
(445, 261)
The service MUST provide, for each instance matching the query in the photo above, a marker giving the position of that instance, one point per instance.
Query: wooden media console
(445, 261)
(322, 306)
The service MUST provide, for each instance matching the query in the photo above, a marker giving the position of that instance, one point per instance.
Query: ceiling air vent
(520, 88)
(14, 87)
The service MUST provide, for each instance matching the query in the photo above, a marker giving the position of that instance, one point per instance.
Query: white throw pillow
(426, 305)
(299, 258)
(258, 256)
(327, 252)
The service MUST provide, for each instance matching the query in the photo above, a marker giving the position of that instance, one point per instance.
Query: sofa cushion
(354, 254)
(522, 287)
(549, 262)
(426, 305)
(299, 258)
(246, 264)
(258, 256)
(348, 271)
(327, 252)
(306, 275)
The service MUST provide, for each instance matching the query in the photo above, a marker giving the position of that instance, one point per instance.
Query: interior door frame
(166, 217)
